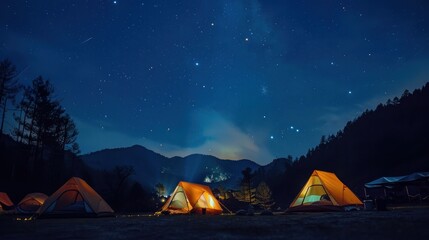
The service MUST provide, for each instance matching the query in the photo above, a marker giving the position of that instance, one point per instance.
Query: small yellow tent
(5, 202)
(192, 198)
(31, 202)
(75, 199)
(324, 191)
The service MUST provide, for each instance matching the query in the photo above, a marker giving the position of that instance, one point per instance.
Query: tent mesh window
(70, 201)
(179, 200)
(316, 193)
(30, 205)
(202, 202)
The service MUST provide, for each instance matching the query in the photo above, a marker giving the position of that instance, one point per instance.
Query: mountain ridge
(152, 167)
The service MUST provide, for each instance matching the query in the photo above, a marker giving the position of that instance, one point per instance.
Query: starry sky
(231, 78)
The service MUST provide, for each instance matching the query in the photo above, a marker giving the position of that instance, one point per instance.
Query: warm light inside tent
(211, 202)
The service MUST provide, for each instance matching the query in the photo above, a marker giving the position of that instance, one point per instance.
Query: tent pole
(408, 193)
(224, 207)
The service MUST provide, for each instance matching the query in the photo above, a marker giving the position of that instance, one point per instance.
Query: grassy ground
(394, 224)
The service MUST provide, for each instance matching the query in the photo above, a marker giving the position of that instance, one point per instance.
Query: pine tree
(263, 195)
(9, 86)
(160, 190)
(44, 125)
(247, 192)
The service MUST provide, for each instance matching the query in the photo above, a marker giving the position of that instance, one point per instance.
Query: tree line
(391, 140)
(42, 128)
(40, 151)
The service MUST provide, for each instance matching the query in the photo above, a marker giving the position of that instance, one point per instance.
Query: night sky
(235, 79)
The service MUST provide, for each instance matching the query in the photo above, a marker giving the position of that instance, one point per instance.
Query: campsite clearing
(394, 224)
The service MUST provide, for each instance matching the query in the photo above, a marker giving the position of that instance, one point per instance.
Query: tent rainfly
(414, 179)
(192, 198)
(324, 192)
(31, 202)
(75, 199)
(5, 202)
(390, 182)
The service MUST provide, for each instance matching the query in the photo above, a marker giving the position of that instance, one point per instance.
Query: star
(271, 137)
(197, 64)
(350, 92)
(246, 39)
(114, 2)
(264, 90)
(212, 23)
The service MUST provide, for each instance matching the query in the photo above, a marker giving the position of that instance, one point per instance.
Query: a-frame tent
(192, 198)
(75, 199)
(324, 192)
(5, 202)
(31, 202)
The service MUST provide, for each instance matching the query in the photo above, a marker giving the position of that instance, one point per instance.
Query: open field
(394, 224)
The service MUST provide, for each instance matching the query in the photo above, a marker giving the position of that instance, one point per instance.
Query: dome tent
(192, 198)
(75, 199)
(324, 192)
(31, 202)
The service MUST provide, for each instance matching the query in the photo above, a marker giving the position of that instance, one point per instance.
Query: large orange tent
(75, 199)
(5, 202)
(31, 202)
(324, 192)
(192, 198)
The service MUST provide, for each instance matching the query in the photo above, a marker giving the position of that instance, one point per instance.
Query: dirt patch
(397, 224)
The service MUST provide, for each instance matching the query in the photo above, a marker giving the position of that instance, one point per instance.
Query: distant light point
(212, 23)
(246, 39)
(197, 64)
(264, 90)
(114, 2)
(264, 116)
(350, 92)
(271, 137)
(297, 130)
(332, 63)
(291, 127)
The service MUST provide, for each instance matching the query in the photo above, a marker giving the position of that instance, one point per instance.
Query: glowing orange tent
(192, 198)
(5, 202)
(31, 202)
(75, 199)
(324, 192)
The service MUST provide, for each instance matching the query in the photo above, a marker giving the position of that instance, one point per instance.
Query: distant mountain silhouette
(152, 168)
(391, 140)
